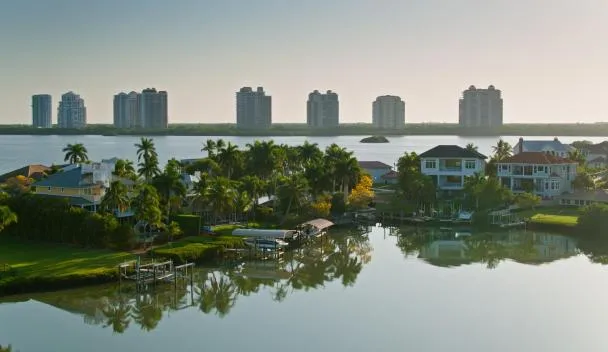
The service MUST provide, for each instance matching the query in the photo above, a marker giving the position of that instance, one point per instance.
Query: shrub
(189, 224)
(593, 221)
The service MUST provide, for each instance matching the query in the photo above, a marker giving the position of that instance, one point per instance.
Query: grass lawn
(53, 265)
(559, 216)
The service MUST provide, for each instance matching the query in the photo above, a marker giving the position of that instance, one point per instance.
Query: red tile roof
(34, 171)
(535, 158)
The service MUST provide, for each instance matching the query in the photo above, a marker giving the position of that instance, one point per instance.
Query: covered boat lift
(316, 227)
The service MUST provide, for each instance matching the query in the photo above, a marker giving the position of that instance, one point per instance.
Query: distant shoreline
(553, 130)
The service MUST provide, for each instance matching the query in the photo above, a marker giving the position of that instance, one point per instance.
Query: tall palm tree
(228, 158)
(209, 146)
(310, 153)
(577, 156)
(348, 171)
(146, 149)
(472, 187)
(116, 198)
(502, 150)
(75, 153)
(262, 158)
(148, 168)
(169, 184)
(220, 196)
(293, 191)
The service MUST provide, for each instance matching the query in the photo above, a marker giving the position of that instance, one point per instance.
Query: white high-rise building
(126, 110)
(480, 108)
(253, 108)
(71, 112)
(323, 110)
(388, 111)
(42, 115)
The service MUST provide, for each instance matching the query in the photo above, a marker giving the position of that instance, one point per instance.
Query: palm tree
(577, 156)
(228, 157)
(472, 187)
(7, 217)
(116, 198)
(209, 146)
(125, 169)
(293, 190)
(75, 153)
(148, 168)
(262, 158)
(471, 147)
(147, 312)
(502, 150)
(217, 294)
(169, 184)
(309, 153)
(348, 171)
(146, 149)
(147, 206)
(220, 196)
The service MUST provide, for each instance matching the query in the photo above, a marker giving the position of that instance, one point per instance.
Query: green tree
(169, 184)
(583, 181)
(471, 147)
(292, 191)
(125, 169)
(75, 153)
(209, 146)
(220, 196)
(146, 149)
(116, 198)
(472, 188)
(148, 168)
(228, 158)
(527, 200)
(262, 159)
(310, 153)
(593, 221)
(147, 206)
(577, 156)
(7, 217)
(502, 150)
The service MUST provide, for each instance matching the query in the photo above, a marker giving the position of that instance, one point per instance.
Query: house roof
(451, 151)
(599, 159)
(79, 201)
(70, 178)
(535, 158)
(598, 195)
(373, 165)
(600, 148)
(35, 171)
(390, 175)
(543, 145)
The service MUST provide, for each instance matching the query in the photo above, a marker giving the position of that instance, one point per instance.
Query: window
(61, 189)
(430, 164)
(470, 164)
(49, 189)
(504, 167)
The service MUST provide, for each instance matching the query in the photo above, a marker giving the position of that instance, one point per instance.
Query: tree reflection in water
(453, 248)
(339, 257)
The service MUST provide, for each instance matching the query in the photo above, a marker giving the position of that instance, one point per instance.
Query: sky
(549, 57)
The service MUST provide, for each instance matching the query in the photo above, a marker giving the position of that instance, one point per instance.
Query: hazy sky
(549, 57)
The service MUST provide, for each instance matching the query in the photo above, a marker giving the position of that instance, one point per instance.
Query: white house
(596, 155)
(544, 174)
(448, 165)
(553, 147)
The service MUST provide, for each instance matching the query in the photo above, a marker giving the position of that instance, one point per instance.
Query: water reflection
(453, 248)
(339, 258)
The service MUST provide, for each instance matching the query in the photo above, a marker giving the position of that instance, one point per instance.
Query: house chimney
(521, 144)
(555, 139)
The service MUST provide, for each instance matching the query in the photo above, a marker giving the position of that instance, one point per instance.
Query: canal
(370, 289)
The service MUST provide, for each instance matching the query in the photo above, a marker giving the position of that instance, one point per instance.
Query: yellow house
(77, 185)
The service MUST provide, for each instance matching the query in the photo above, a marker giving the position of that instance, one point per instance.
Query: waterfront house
(542, 173)
(390, 178)
(376, 169)
(596, 155)
(553, 147)
(84, 185)
(584, 197)
(34, 171)
(449, 165)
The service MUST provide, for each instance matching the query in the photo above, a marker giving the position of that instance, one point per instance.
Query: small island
(374, 139)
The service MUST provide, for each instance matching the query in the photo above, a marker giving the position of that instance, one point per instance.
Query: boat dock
(155, 272)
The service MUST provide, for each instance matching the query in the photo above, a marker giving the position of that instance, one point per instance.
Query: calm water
(17, 151)
(373, 290)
